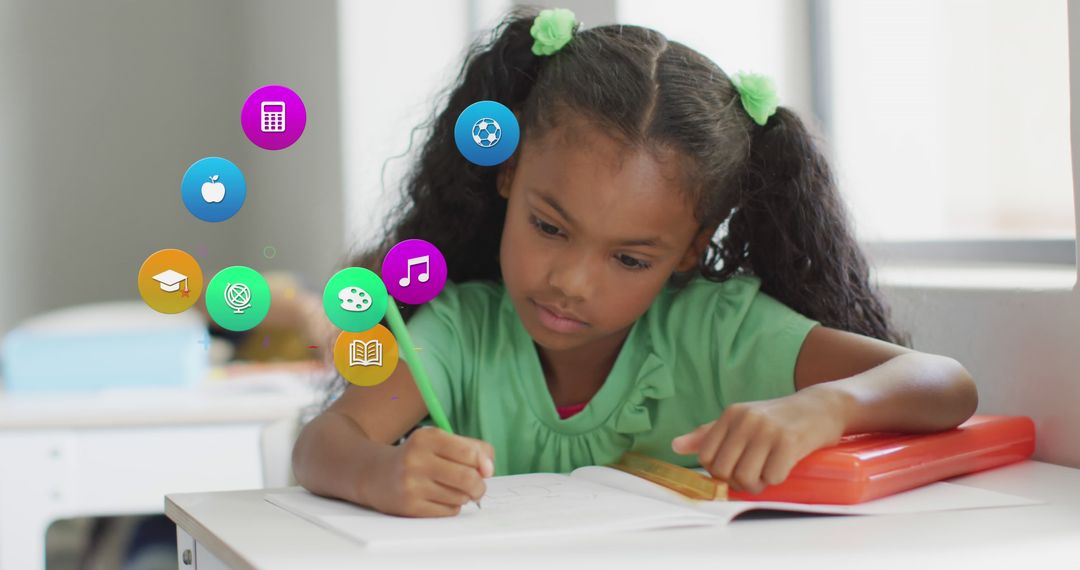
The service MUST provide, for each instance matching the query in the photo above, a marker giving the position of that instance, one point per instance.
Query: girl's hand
(755, 444)
(432, 474)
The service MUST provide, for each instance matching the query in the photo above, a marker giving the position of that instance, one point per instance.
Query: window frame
(1053, 251)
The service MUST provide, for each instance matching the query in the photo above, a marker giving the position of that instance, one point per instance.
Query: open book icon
(365, 353)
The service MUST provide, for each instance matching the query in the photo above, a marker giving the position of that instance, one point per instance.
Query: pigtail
(791, 229)
(449, 201)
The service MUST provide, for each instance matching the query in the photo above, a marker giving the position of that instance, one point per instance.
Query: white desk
(240, 530)
(118, 452)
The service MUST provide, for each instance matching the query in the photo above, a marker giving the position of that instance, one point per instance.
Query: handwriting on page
(541, 502)
(555, 496)
(423, 277)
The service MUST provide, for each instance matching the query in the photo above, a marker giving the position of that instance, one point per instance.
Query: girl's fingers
(462, 478)
(433, 509)
(712, 441)
(446, 496)
(730, 450)
(471, 452)
(748, 470)
(691, 442)
(485, 456)
(781, 461)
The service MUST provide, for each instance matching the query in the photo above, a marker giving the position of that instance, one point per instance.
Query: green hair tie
(758, 94)
(551, 30)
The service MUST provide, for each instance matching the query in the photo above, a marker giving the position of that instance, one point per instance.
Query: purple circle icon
(414, 271)
(273, 117)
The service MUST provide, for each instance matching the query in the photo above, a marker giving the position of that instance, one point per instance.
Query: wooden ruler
(679, 479)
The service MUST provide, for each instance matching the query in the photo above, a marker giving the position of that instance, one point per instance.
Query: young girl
(590, 310)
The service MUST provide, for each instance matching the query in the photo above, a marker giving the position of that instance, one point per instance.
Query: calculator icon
(273, 117)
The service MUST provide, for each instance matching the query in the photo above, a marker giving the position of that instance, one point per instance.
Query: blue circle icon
(213, 189)
(486, 133)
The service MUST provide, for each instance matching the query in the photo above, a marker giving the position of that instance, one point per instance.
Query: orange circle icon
(170, 281)
(366, 358)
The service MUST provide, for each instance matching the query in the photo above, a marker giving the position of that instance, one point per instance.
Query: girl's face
(593, 231)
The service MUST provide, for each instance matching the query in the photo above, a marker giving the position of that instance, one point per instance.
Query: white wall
(384, 98)
(1021, 346)
(11, 154)
(104, 105)
(301, 190)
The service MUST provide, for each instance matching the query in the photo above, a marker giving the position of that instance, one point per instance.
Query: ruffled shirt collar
(638, 376)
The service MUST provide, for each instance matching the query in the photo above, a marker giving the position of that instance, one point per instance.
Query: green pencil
(397, 326)
(419, 374)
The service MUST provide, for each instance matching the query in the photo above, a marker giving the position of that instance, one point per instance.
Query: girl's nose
(572, 275)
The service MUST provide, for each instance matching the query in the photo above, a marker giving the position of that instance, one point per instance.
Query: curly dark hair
(768, 189)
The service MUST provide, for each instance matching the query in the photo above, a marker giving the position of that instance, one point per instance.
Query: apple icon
(213, 191)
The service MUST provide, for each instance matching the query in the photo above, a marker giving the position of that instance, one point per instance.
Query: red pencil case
(869, 466)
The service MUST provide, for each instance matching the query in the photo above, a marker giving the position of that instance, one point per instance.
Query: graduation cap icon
(170, 280)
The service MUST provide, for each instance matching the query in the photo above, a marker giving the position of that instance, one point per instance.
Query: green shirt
(693, 352)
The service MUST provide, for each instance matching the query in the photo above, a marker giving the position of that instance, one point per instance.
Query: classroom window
(950, 120)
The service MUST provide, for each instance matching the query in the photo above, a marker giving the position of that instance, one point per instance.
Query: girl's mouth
(555, 321)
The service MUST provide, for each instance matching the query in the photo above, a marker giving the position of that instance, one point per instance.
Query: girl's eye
(627, 261)
(632, 263)
(544, 226)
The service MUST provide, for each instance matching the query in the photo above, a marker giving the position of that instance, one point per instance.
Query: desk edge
(205, 536)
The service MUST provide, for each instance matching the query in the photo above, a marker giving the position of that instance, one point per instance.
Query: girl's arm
(878, 386)
(846, 383)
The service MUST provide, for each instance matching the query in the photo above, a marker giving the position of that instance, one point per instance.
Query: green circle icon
(355, 299)
(238, 298)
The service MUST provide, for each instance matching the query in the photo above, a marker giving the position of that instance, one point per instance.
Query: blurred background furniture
(119, 452)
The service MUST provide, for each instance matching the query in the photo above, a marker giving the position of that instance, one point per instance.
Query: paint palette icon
(354, 299)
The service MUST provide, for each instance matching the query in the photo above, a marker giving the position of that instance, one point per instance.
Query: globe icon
(486, 132)
(237, 297)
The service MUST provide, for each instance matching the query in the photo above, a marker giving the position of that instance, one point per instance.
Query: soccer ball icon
(486, 133)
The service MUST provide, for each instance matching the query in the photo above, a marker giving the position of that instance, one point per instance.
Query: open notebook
(592, 500)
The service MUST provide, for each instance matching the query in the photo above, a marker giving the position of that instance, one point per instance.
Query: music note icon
(410, 261)
(423, 277)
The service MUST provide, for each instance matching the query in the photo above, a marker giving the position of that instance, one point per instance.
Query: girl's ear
(505, 178)
(696, 249)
